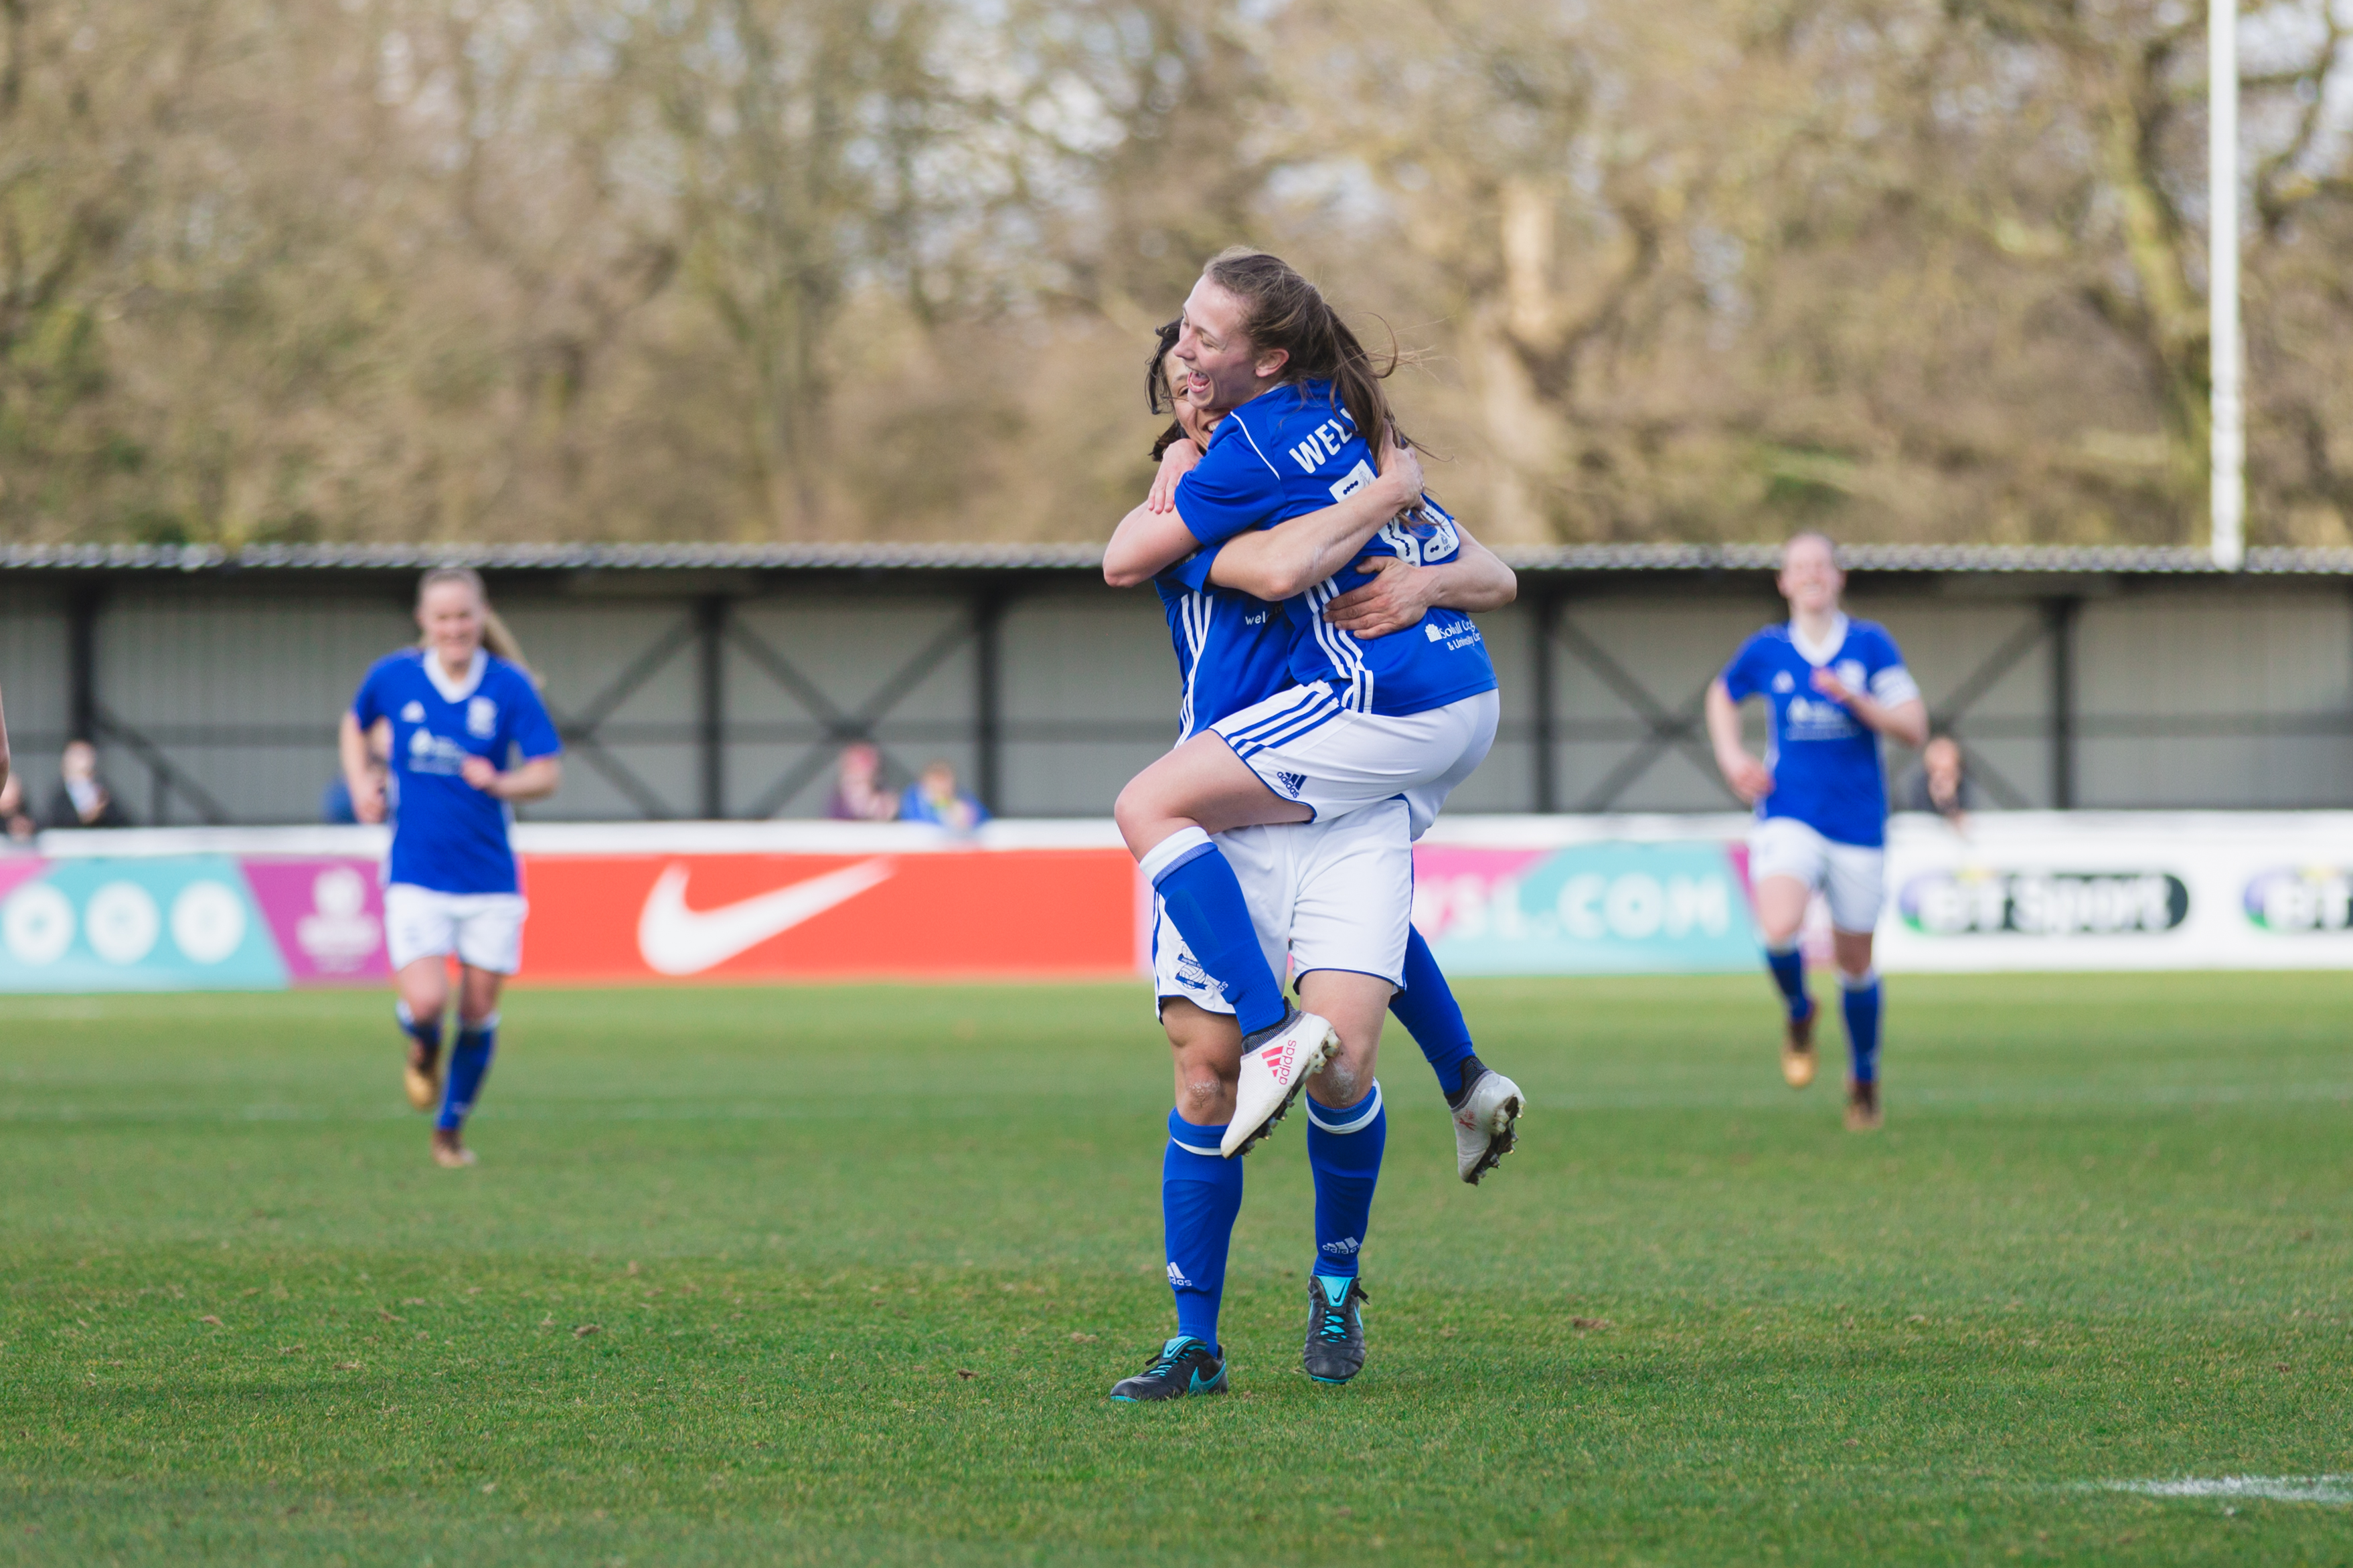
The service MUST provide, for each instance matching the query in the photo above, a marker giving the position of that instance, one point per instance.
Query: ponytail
(495, 635)
(1282, 309)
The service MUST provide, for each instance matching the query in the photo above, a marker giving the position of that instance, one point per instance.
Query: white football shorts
(1337, 894)
(1306, 747)
(1850, 878)
(484, 930)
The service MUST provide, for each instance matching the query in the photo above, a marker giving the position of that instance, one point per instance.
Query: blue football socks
(1861, 999)
(1200, 1194)
(1344, 1149)
(1788, 967)
(1205, 902)
(426, 1032)
(1427, 1008)
(469, 1060)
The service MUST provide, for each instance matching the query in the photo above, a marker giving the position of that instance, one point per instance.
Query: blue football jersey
(1825, 761)
(1231, 650)
(1292, 452)
(447, 834)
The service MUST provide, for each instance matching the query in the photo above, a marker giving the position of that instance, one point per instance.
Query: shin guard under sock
(469, 1061)
(1200, 1194)
(1205, 903)
(1427, 1008)
(1788, 969)
(1860, 1000)
(1343, 1149)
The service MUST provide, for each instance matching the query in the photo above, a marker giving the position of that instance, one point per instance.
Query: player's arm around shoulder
(1293, 556)
(1401, 594)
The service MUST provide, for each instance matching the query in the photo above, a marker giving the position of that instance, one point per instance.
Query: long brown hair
(495, 635)
(1282, 309)
(1156, 387)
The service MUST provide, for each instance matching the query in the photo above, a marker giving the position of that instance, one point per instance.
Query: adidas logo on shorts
(1291, 783)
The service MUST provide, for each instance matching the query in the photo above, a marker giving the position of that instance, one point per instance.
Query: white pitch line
(2332, 1490)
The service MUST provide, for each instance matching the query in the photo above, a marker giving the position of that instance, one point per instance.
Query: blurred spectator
(857, 793)
(82, 799)
(335, 800)
(1940, 782)
(934, 797)
(14, 819)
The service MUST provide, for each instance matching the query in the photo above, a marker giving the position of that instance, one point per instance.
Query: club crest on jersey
(481, 717)
(1783, 683)
(414, 713)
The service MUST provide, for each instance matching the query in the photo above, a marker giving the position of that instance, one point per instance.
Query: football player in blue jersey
(1406, 716)
(1833, 686)
(470, 737)
(1331, 899)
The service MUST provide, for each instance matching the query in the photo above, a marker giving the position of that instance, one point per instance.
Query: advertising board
(718, 902)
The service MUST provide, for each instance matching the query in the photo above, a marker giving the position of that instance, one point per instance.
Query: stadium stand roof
(1603, 559)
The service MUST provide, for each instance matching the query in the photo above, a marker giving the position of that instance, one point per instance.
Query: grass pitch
(842, 1275)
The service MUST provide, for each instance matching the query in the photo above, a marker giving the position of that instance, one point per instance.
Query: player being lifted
(1334, 897)
(1294, 395)
(461, 713)
(1833, 686)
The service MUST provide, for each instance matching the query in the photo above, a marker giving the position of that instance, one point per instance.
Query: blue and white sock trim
(1193, 1140)
(1863, 982)
(1353, 1119)
(1181, 847)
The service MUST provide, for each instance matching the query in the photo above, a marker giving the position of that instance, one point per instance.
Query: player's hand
(368, 804)
(1751, 779)
(1395, 598)
(481, 773)
(1175, 464)
(1831, 686)
(1401, 467)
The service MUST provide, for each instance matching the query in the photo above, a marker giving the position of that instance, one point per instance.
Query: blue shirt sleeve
(1883, 664)
(533, 731)
(1193, 572)
(1742, 677)
(368, 704)
(1231, 489)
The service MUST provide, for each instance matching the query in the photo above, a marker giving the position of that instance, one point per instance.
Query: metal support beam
(81, 662)
(988, 699)
(711, 726)
(2061, 614)
(1547, 772)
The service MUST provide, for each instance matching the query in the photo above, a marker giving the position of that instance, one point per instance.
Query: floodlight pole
(2228, 457)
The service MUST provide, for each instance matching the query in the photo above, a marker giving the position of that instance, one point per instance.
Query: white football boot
(1483, 1123)
(1274, 1069)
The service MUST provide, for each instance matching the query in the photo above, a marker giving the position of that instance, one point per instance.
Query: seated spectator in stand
(335, 800)
(1939, 784)
(934, 797)
(82, 799)
(14, 819)
(857, 793)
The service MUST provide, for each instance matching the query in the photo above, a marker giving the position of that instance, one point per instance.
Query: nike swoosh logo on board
(675, 940)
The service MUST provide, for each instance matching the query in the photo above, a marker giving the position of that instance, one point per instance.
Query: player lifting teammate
(1332, 898)
(461, 713)
(1833, 686)
(1292, 393)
